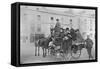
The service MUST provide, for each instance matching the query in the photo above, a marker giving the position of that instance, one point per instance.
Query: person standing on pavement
(89, 45)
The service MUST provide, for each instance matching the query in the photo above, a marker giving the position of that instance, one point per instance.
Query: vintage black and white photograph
(54, 34)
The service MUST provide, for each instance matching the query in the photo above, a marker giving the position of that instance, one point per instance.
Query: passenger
(79, 37)
(73, 34)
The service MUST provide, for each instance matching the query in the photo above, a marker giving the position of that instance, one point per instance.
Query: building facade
(37, 20)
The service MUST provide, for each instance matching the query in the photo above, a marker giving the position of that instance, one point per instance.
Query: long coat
(73, 34)
(66, 45)
(89, 43)
(57, 29)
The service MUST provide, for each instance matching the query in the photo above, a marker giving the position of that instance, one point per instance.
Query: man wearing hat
(89, 44)
(57, 28)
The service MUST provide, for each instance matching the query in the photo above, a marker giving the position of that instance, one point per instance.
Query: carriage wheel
(75, 53)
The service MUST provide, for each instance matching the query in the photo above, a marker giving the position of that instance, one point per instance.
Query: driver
(57, 28)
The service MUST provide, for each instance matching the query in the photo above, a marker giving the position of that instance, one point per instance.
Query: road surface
(28, 55)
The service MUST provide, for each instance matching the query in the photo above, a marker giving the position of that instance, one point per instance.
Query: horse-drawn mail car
(68, 42)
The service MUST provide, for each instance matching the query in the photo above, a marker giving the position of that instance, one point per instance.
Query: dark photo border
(15, 33)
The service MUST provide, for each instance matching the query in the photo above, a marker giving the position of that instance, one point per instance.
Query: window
(38, 17)
(39, 28)
(52, 18)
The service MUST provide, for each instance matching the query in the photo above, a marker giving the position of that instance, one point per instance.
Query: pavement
(27, 55)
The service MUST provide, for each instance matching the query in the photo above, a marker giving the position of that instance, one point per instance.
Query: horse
(43, 43)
